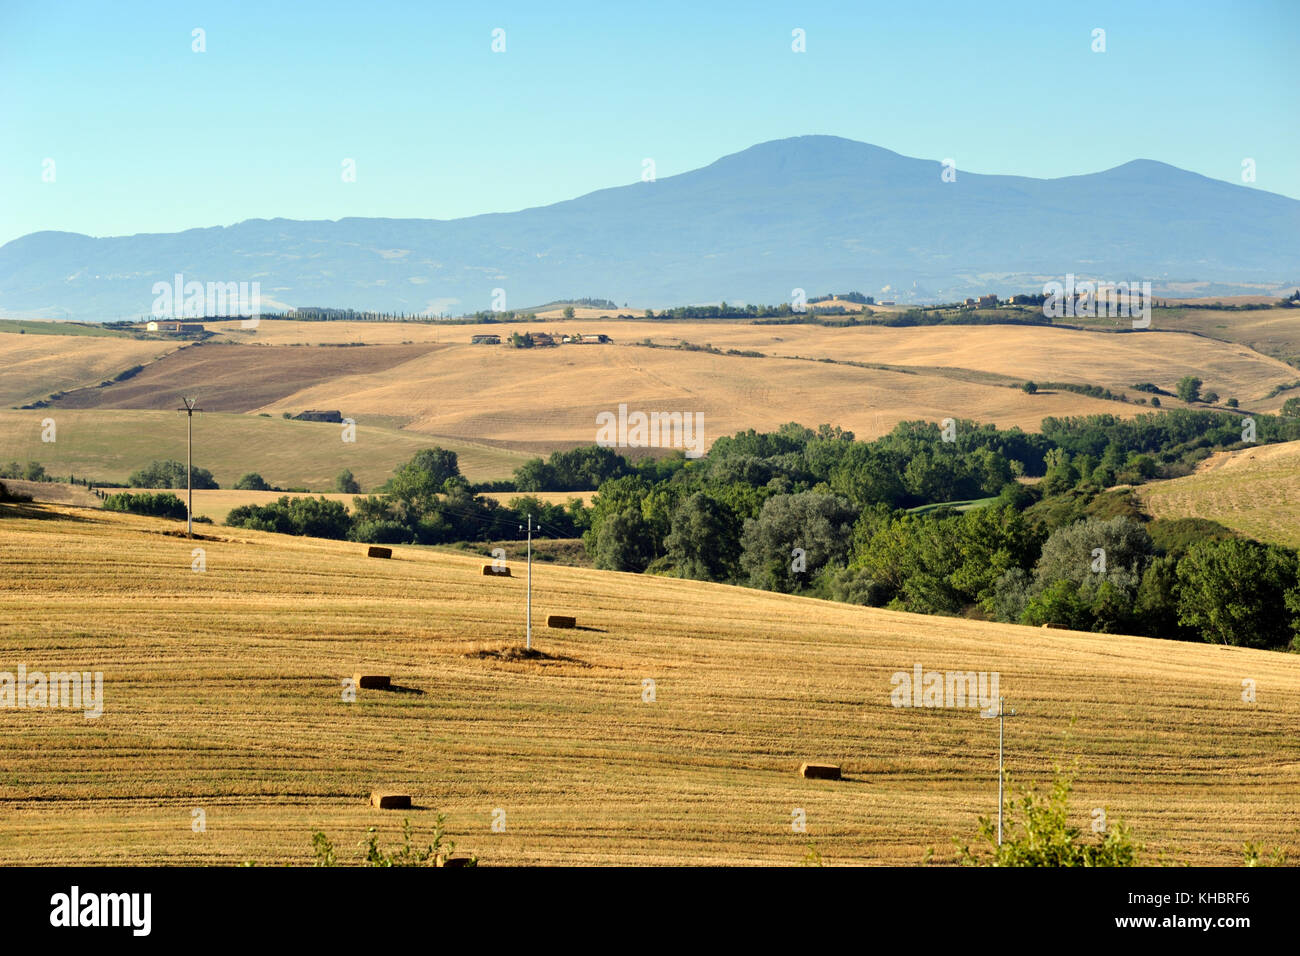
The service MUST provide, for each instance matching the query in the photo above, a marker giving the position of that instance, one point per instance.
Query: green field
(35, 327)
(107, 445)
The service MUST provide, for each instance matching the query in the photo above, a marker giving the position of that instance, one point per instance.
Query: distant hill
(812, 212)
(1255, 491)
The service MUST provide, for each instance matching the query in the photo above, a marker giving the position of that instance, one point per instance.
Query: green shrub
(165, 505)
(1038, 833)
(436, 853)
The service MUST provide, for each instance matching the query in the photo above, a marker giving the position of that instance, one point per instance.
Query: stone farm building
(174, 327)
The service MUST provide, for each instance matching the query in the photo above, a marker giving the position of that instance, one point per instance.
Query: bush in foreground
(1038, 834)
(436, 853)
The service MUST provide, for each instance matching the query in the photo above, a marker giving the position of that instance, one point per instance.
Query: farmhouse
(485, 340)
(988, 301)
(543, 339)
(180, 327)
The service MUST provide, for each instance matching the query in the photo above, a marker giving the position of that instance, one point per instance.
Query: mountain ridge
(813, 212)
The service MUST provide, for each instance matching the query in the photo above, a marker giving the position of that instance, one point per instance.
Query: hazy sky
(147, 135)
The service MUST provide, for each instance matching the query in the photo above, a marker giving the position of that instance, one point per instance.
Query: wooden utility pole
(189, 410)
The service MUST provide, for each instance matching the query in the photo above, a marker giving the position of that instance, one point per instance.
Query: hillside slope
(1255, 491)
(222, 693)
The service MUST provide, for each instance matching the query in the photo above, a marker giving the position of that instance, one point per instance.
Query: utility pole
(1001, 715)
(528, 640)
(189, 411)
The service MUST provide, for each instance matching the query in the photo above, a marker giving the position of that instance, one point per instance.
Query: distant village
(530, 340)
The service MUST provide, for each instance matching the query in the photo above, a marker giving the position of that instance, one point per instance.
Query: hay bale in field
(820, 771)
(1059, 627)
(375, 551)
(372, 681)
(560, 620)
(496, 572)
(386, 800)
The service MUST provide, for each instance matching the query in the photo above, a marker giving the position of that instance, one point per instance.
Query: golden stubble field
(1255, 491)
(34, 366)
(223, 693)
(438, 387)
(544, 398)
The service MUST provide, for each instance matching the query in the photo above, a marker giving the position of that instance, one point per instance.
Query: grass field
(108, 445)
(223, 693)
(1255, 491)
(42, 327)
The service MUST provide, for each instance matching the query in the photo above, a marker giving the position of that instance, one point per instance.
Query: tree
(1235, 592)
(818, 525)
(164, 505)
(622, 543)
(418, 483)
(346, 484)
(568, 312)
(252, 482)
(1188, 389)
(1030, 388)
(703, 543)
(169, 474)
(1088, 575)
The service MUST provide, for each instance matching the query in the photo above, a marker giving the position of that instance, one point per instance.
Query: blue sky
(148, 136)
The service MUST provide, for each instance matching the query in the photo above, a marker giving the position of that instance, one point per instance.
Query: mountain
(819, 213)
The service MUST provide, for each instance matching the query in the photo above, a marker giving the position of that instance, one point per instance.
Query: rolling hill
(222, 693)
(814, 212)
(1255, 491)
(107, 445)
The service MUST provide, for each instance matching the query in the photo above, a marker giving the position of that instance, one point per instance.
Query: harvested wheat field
(240, 378)
(34, 366)
(536, 400)
(1255, 491)
(223, 691)
(992, 354)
